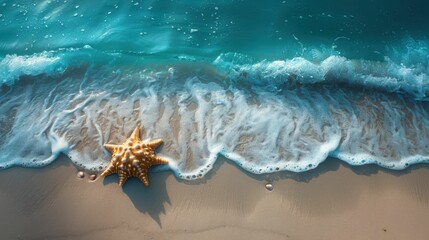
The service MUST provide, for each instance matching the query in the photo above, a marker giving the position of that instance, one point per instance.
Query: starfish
(133, 158)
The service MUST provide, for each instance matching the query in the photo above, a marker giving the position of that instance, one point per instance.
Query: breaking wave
(265, 115)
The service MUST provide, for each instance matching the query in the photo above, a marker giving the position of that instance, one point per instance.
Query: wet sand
(334, 201)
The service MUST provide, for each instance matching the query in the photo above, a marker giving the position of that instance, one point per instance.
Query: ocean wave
(411, 78)
(12, 67)
(201, 114)
(405, 70)
(272, 90)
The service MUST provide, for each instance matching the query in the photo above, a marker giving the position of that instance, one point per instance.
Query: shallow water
(278, 85)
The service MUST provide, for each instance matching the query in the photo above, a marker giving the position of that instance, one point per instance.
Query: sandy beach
(227, 101)
(335, 201)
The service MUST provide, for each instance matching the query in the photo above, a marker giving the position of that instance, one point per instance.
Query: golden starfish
(133, 158)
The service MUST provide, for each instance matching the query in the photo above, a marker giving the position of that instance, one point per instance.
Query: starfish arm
(155, 143)
(111, 147)
(160, 160)
(143, 177)
(135, 136)
(122, 178)
(109, 170)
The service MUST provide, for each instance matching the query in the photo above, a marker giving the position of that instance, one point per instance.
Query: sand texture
(335, 201)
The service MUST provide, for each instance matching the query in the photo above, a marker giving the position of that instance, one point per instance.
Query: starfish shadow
(148, 200)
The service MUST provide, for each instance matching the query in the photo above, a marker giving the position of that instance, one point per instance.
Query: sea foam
(266, 116)
(390, 76)
(12, 67)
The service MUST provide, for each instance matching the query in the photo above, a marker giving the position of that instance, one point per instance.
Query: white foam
(389, 75)
(262, 128)
(14, 66)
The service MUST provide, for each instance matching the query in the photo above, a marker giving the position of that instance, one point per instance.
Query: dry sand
(334, 201)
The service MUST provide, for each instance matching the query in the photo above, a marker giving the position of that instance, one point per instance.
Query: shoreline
(333, 201)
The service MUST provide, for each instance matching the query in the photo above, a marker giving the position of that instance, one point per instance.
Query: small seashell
(80, 174)
(269, 186)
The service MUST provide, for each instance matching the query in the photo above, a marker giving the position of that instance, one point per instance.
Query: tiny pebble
(269, 187)
(80, 174)
(92, 177)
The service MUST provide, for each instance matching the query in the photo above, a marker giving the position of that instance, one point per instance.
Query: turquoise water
(268, 29)
(272, 85)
